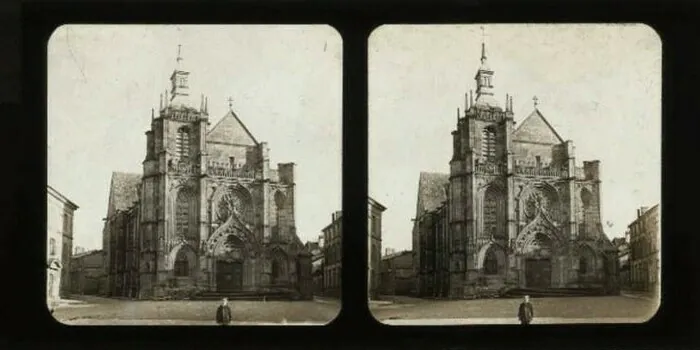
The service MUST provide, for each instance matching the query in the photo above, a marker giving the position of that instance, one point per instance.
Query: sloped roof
(431, 191)
(124, 190)
(535, 128)
(231, 130)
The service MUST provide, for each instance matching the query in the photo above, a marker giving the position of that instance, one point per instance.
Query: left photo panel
(191, 172)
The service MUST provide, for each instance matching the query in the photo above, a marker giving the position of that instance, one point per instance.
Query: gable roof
(535, 128)
(431, 191)
(231, 130)
(123, 191)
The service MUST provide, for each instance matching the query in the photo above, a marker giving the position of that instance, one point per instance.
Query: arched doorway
(538, 262)
(229, 266)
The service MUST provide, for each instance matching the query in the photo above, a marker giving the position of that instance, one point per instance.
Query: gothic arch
(488, 143)
(279, 203)
(538, 237)
(587, 213)
(279, 261)
(221, 243)
(233, 200)
(182, 252)
(493, 211)
(184, 208)
(492, 253)
(540, 198)
(588, 259)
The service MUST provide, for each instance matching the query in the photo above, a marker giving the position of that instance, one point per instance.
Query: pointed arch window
(491, 263)
(279, 207)
(52, 246)
(182, 142)
(182, 213)
(488, 144)
(182, 264)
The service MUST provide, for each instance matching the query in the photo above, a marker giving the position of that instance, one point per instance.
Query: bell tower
(179, 90)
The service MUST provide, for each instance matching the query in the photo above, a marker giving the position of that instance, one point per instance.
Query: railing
(185, 169)
(230, 172)
(491, 169)
(535, 171)
(487, 115)
(187, 115)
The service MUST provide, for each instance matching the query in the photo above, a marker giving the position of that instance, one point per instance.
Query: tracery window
(182, 142)
(182, 213)
(583, 265)
(182, 265)
(488, 144)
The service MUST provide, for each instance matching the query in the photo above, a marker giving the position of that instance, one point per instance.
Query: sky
(597, 85)
(285, 82)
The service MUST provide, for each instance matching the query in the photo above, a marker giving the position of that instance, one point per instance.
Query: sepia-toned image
(521, 168)
(190, 172)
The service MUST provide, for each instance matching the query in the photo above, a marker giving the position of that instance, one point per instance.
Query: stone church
(208, 212)
(515, 210)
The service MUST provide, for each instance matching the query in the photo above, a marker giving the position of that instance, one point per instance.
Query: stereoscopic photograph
(521, 168)
(191, 173)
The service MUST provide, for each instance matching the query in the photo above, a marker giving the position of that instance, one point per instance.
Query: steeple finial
(179, 55)
(535, 101)
(483, 45)
(152, 114)
(230, 103)
(457, 114)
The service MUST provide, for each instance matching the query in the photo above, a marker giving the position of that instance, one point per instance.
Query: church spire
(484, 80)
(179, 81)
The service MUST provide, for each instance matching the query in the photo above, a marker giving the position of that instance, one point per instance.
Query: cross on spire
(179, 56)
(230, 103)
(535, 101)
(483, 44)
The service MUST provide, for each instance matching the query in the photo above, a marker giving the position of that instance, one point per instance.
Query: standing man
(223, 313)
(525, 312)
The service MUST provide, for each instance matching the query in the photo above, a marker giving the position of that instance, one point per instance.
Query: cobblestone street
(102, 311)
(608, 309)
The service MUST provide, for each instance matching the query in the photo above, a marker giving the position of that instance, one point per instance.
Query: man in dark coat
(525, 312)
(223, 313)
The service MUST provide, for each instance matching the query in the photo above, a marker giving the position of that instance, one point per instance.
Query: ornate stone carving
(235, 202)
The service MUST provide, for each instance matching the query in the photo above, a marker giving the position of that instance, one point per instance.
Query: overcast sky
(103, 81)
(598, 85)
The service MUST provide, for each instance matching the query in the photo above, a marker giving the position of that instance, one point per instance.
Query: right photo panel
(519, 171)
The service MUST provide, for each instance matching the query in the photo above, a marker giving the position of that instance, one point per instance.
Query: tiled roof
(124, 190)
(536, 128)
(431, 191)
(230, 129)
(397, 254)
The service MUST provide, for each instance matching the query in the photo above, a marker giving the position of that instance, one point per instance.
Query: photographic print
(189, 172)
(521, 165)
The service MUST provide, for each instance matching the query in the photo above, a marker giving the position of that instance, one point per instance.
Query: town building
(59, 245)
(332, 255)
(317, 262)
(397, 273)
(644, 256)
(207, 213)
(515, 209)
(332, 250)
(623, 255)
(87, 273)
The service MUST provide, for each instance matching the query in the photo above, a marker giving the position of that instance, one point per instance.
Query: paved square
(605, 309)
(102, 311)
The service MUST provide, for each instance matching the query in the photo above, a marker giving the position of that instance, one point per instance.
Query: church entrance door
(538, 273)
(229, 276)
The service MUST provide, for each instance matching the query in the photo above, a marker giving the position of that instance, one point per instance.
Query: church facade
(515, 210)
(208, 212)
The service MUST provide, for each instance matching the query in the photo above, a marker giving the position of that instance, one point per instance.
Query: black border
(674, 324)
